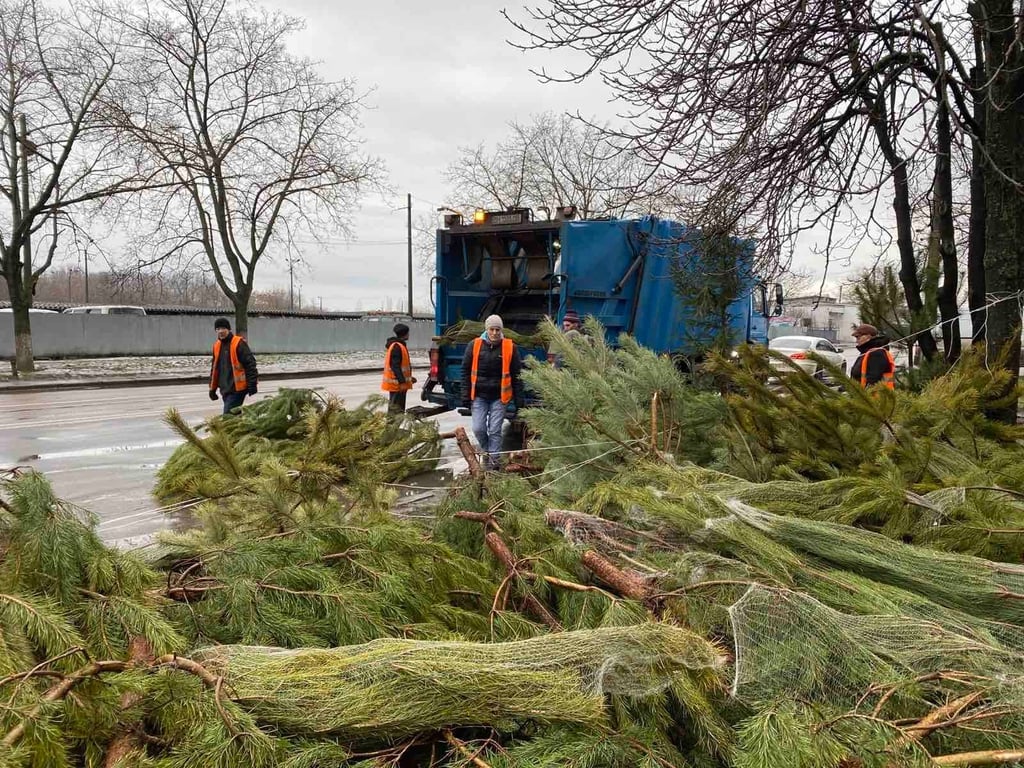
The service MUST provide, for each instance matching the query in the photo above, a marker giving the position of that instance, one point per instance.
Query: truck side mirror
(778, 299)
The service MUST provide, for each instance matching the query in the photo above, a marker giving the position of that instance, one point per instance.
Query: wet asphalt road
(101, 448)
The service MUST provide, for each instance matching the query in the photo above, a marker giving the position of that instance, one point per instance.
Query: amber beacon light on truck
(510, 218)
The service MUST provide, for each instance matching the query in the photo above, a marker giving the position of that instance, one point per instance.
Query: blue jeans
(232, 400)
(488, 418)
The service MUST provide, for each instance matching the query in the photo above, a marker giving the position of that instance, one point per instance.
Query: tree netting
(843, 655)
(392, 688)
(988, 590)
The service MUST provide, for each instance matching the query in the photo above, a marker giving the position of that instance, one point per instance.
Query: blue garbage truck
(619, 271)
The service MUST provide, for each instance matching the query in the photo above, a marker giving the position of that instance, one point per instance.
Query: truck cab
(618, 270)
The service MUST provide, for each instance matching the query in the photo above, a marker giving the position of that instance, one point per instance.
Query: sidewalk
(143, 371)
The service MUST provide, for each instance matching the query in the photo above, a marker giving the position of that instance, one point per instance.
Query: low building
(823, 316)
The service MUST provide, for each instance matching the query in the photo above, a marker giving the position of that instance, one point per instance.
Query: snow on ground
(191, 365)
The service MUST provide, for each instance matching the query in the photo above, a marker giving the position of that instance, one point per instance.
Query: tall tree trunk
(908, 264)
(976, 225)
(240, 300)
(904, 225)
(942, 214)
(23, 358)
(1004, 226)
(18, 270)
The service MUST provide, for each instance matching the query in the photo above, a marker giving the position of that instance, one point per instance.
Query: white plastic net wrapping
(398, 687)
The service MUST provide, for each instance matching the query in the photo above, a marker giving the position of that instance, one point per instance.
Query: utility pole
(408, 198)
(86, 260)
(291, 284)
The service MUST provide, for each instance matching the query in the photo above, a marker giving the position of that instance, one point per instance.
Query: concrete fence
(129, 335)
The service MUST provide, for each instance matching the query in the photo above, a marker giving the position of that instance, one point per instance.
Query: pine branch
(58, 692)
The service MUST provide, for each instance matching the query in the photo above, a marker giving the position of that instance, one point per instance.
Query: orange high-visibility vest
(506, 369)
(390, 382)
(888, 378)
(236, 367)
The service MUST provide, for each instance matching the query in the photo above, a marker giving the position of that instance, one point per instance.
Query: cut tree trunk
(140, 654)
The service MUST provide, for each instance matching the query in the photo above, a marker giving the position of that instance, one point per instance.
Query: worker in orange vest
(398, 378)
(491, 382)
(233, 372)
(875, 363)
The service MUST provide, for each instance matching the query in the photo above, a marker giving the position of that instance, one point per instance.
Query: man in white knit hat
(491, 382)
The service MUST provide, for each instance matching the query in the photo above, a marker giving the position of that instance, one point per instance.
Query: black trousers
(396, 401)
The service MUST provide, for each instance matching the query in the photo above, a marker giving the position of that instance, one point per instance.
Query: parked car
(800, 348)
(33, 310)
(106, 309)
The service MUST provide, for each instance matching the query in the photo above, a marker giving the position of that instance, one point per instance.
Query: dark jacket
(488, 380)
(395, 361)
(878, 365)
(225, 376)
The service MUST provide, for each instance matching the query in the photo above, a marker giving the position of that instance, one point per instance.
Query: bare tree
(551, 161)
(257, 145)
(849, 117)
(58, 151)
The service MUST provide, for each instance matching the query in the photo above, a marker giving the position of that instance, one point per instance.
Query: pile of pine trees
(783, 575)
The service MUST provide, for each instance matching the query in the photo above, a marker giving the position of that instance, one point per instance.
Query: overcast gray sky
(437, 75)
(440, 75)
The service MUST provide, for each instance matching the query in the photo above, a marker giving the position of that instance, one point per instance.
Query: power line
(349, 243)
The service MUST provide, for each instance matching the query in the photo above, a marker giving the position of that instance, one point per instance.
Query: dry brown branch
(187, 665)
(654, 418)
(572, 585)
(40, 669)
(986, 757)
(891, 691)
(506, 558)
(462, 749)
(486, 518)
(937, 717)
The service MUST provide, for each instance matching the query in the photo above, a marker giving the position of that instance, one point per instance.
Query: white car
(800, 348)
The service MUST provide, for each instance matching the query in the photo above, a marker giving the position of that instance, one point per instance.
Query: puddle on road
(103, 451)
(419, 494)
(177, 522)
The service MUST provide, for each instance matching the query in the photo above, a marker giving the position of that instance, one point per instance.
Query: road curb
(156, 381)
